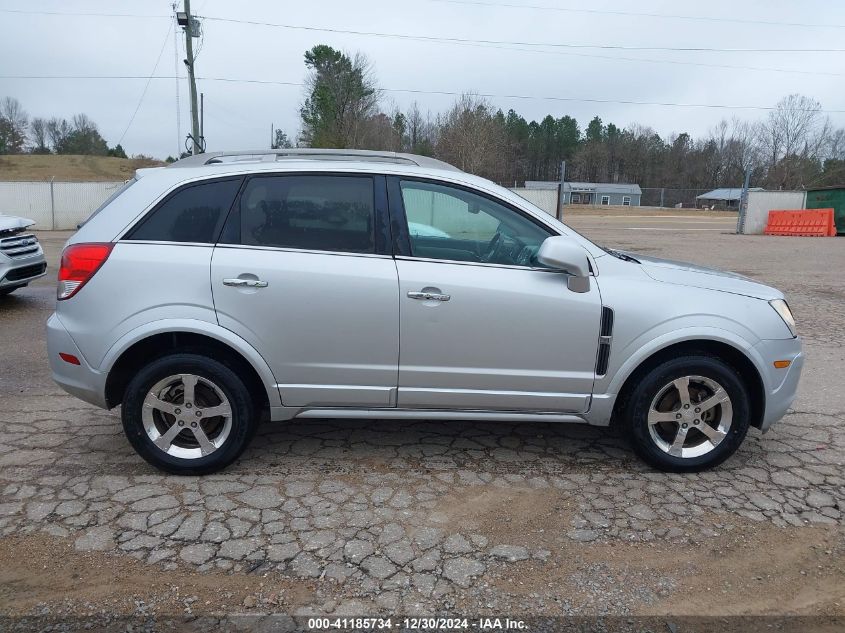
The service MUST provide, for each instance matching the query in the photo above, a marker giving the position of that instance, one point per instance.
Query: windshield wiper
(622, 256)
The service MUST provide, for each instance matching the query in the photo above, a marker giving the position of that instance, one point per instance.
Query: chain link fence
(670, 198)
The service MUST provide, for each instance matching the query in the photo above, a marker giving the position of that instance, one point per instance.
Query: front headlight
(782, 308)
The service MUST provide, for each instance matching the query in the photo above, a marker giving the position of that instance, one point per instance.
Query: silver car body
(21, 256)
(335, 334)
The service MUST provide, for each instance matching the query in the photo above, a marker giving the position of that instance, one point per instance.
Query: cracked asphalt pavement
(368, 517)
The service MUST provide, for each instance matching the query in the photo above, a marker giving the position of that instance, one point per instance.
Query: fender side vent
(606, 322)
(604, 357)
(605, 334)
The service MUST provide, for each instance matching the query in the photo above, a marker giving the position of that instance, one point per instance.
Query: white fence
(63, 205)
(54, 205)
(546, 199)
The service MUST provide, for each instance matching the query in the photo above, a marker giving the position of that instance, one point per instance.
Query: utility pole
(743, 203)
(185, 20)
(561, 194)
(202, 121)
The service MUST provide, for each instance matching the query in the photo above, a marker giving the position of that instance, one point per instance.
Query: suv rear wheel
(688, 414)
(188, 415)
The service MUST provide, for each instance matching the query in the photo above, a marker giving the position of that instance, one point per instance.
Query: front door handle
(428, 296)
(245, 283)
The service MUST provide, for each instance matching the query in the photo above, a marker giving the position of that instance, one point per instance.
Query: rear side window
(324, 213)
(113, 196)
(192, 214)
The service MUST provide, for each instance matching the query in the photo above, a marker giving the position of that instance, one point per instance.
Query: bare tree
(470, 137)
(14, 122)
(38, 133)
(83, 124)
(57, 131)
(420, 131)
(835, 148)
(790, 137)
(12, 110)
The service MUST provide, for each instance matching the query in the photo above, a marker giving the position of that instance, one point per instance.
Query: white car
(21, 257)
(353, 284)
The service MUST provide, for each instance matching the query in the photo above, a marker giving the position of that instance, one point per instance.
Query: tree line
(19, 134)
(794, 146)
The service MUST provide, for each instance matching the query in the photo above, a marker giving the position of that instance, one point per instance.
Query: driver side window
(452, 224)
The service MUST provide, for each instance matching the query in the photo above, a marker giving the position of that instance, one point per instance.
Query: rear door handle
(428, 296)
(245, 283)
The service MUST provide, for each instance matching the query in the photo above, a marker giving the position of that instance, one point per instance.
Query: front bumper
(19, 271)
(781, 385)
(81, 380)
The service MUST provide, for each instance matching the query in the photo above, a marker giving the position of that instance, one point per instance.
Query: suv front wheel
(188, 415)
(688, 414)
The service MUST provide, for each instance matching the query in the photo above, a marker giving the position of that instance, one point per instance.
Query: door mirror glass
(562, 253)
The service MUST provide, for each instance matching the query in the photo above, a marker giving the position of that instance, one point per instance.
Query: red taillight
(79, 263)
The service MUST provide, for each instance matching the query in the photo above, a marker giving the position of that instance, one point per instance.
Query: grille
(25, 272)
(19, 245)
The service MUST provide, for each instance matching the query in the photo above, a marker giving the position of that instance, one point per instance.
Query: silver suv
(21, 256)
(352, 284)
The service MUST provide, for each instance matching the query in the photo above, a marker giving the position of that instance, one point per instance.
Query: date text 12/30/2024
(417, 624)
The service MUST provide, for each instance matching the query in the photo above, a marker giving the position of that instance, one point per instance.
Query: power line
(637, 14)
(557, 52)
(428, 92)
(655, 61)
(147, 85)
(484, 44)
(694, 49)
(76, 13)
(432, 38)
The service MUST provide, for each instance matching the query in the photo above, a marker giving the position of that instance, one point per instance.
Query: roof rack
(273, 155)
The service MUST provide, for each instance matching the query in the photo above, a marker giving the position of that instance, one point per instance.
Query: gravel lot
(389, 518)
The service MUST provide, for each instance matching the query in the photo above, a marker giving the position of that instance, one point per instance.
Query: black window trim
(138, 222)
(402, 237)
(381, 219)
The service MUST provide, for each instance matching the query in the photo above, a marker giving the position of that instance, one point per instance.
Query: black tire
(244, 420)
(8, 291)
(635, 414)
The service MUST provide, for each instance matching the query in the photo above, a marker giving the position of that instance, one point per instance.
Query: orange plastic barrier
(804, 223)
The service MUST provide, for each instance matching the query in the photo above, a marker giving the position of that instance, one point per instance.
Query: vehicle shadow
(400, 444)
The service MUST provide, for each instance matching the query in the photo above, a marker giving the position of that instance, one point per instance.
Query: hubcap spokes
(187, 416)
(690, 416)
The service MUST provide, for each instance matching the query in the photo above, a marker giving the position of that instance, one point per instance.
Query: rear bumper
(781, 384)
(81, 380)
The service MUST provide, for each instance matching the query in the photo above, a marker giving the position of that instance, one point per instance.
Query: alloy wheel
(187, 416)
(690, 416)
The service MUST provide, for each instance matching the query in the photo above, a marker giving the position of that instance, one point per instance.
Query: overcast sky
(239, 115)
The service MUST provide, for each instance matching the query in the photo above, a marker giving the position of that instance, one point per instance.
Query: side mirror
(561, 253)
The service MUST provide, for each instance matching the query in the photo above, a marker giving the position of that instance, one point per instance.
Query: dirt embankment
(70, 168)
